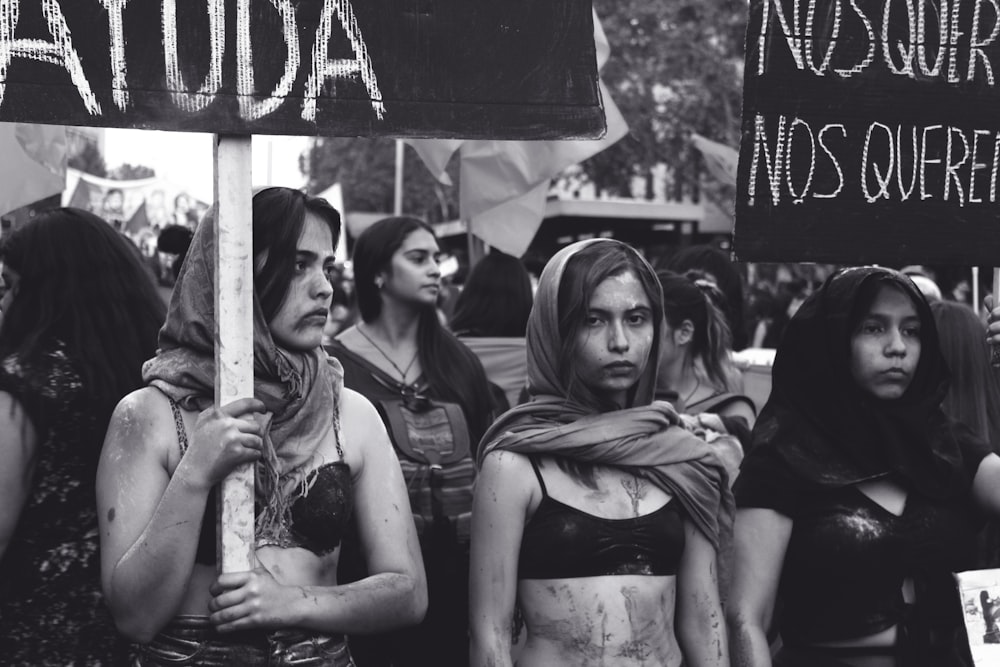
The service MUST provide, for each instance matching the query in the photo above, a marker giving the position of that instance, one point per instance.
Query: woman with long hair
(491, 316)
(78, 316)
(435, 398)
(694, 359)
(597, 515)
(860, 497)
(321, 460)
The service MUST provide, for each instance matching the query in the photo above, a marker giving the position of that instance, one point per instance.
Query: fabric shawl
(820, 430)
(302, 405)
(646, 437)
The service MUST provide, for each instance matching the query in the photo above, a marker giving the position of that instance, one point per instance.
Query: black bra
(563, 542)
(319, 519)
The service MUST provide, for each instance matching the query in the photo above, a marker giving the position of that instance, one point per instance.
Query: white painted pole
(975, 289)
(397, 206)
(996, 296)
(234, 335)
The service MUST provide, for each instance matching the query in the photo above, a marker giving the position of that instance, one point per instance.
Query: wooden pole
(996, 295)
(234, 336)
(397, 199)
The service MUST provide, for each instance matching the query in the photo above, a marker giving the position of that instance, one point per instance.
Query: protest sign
(871, 132)
(495, 70)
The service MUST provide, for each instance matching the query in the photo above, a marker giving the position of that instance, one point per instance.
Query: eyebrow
(604, 311)
(310, 255)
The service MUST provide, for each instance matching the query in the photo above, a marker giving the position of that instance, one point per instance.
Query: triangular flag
(34, 163)
(721, 160)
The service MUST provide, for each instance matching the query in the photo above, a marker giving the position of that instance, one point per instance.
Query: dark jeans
(191, 640)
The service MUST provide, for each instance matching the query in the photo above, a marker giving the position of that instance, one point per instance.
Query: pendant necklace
(697, 384)
(402, 372)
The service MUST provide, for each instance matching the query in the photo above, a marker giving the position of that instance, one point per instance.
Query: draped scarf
(300, 390)
(647, 437)
(820, 430)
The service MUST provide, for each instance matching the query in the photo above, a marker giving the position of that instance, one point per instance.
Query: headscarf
(819, 429)
(302, 406)
(647, 437)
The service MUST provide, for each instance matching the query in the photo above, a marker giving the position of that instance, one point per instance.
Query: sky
(185, 158)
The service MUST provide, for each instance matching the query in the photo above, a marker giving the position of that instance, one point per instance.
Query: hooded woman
(595, 513)
(859, 497)
(321, 457)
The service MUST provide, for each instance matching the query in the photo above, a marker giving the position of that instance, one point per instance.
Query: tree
(131, 172)
(89, 160)
(675, 69)
(365, 168)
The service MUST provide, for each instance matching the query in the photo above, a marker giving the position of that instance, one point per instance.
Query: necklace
(697, 385)
(402, 372)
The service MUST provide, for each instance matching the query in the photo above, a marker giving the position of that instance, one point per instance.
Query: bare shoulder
(508, 470)
(142, 422)
(358, 415)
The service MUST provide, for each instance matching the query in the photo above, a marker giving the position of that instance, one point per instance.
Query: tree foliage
(675, 69)
(366, 170)
(131, 172)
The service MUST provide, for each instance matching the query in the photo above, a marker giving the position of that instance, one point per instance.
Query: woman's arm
(499, 508)
(986, 485)
(18, 441)
(698, 615)
(760, 540)
(393, 596)
(150, 521)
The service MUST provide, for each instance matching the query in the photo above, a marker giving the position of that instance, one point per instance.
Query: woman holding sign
(321, 458)
(859, 497)
(596, 514)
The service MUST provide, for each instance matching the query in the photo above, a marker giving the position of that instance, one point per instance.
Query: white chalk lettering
(774, 170)
(833, 159)
(324, 68)
(883, 179)
(116, 33)
(208, 89)
(976, 54)
(924, 160)
(942, 23)
(810, 18)
(905, 194)
(953, 36)
(251, 109)
(870, 55)
(996, 168)
(799, 197)
(906, 69)
(951, 167)
(59, 51)
(794, 43)
(975, 165)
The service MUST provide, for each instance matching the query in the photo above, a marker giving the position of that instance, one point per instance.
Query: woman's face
(612, 346)
(414, 275)
(298, 324)
(885, 347)
(8, 288)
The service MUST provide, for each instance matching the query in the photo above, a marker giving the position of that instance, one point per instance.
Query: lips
(318, 314)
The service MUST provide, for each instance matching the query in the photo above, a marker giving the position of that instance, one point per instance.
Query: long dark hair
(973, 396)
(686, 297)
(496, 299)
(278, 217)
(84, 285)
(716, 262)
(584, 271)
(451, 369)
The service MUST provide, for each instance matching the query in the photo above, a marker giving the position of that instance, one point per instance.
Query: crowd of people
(557, 469)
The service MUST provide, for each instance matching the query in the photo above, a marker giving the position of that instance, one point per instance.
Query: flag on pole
(720, 159)
(34, 164)
(503, 186)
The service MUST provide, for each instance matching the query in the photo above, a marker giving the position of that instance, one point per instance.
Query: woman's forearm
(490, 645)
(748, 644)
(377, 603)
(150, 580)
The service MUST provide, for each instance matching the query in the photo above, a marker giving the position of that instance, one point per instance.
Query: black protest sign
(419, 68)
(871, 132)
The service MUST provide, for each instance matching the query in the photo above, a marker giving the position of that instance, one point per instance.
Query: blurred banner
(503, 184)
(33, 165)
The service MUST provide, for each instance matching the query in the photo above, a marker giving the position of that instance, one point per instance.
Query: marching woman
(859, 497)
(70, 283)
(321, 457)
(597, 516)
(436, 401)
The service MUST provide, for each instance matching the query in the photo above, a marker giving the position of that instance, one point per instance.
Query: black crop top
(319, 519)
(563, 542)
(847, 558)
